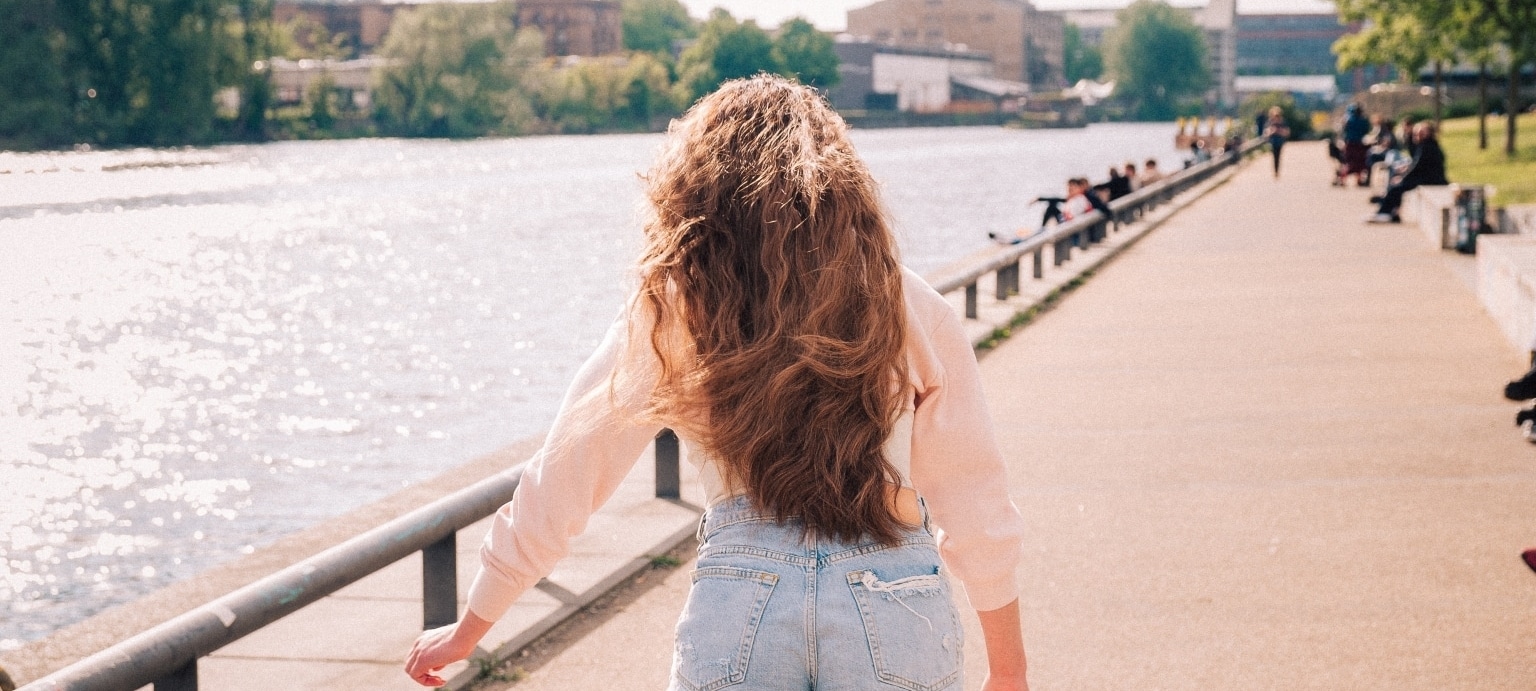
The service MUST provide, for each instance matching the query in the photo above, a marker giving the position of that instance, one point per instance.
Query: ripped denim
(771, 610)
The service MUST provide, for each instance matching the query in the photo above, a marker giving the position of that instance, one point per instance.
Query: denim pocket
(912, 627)
(718, 625)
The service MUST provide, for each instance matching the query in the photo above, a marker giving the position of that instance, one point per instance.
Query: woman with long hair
(830, 400)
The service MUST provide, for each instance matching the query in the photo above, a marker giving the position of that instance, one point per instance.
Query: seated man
(1427, 168)
(1080, 199)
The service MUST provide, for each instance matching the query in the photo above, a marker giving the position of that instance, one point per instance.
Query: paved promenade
(1263, 449)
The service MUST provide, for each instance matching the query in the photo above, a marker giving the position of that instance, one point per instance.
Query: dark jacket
(1355, 128)
(1097, 203)
(1428, 166)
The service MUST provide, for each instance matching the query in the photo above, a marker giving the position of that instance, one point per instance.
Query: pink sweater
(954, 464)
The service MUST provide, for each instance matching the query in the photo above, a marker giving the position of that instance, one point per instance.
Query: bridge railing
(1080, 232)
(167, 655)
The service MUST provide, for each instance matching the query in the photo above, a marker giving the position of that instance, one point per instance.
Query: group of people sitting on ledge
(1084, 197)
(1365, 143)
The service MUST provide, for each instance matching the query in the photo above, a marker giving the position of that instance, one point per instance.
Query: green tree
(606, 95)
(143, 72)
(457, 70)
(654, 26)
(726, 49)
(647, 91)
(806, 53)
(1156, 55)
(1410, 34)
(1516, 24)
(34, 98)
(257, 36)
(1079, 60)
(302, 37)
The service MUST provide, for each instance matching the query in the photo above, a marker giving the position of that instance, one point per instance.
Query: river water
(204, 350)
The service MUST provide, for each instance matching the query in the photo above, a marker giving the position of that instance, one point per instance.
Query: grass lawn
(1515, 177)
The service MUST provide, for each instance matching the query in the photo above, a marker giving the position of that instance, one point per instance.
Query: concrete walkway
(1264, 449)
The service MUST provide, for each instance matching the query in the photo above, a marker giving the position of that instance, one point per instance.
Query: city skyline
(832, 15)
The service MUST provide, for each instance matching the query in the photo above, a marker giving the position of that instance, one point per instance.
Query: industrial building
(1024, 43)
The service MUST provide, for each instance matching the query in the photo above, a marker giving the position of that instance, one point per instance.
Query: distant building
(1299, 44)
(1217, 19)
(575, 27)
(878, 76)
(352, 79)
(1025, 44)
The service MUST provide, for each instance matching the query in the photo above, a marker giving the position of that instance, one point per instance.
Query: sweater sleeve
(959, 471)
(596, 439)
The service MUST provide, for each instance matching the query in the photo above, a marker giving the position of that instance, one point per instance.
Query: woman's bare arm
(1005, 648)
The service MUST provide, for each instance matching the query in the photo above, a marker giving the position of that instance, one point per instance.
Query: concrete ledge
(1431, 207)
(1516, 219)
(1506, 285)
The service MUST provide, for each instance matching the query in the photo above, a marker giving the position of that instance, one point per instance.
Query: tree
(1156, 56)
(647, 91)
(654, 26)
(1079, 60)
(726, 49)
(256, 41)
(144, 72)
(805, 53)
(302, 37)
(1412, 33)
(457, 70)
(1516, 21)
(34, 99)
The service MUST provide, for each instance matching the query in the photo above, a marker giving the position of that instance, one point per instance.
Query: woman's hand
(440, 647)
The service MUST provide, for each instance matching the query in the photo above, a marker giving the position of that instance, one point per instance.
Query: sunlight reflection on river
(203, 350)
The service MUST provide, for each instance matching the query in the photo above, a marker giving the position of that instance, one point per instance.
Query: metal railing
(167, 655)
(1080, 232)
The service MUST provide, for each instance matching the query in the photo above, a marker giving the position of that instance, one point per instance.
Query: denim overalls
(773, 610)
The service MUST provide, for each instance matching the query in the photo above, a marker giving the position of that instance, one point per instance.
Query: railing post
(440, 582)
(1040, 262)
(970, 300)
(1007, 280)
(184, 679)
(668, 475)
(1063, 251)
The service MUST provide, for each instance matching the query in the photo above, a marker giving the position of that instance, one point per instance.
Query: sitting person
(1426, 168)
(1383, 145)
(1081, 198)
(1115, 187)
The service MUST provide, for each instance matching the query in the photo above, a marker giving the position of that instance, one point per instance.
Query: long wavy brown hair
(772, 282)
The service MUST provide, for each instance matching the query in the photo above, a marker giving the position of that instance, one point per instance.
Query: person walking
(1277, 132)
(1354, 130)
(831, 402)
